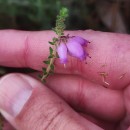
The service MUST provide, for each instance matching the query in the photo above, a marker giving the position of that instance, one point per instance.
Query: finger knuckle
(53, 115)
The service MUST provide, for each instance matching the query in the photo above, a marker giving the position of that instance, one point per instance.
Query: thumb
(28, 105)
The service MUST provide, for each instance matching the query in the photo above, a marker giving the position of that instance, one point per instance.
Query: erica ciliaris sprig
(59, 30)
(63, 45)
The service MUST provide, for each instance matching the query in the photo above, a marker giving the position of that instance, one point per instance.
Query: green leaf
(52, 43)
(51, 56)
(45, 73)
(51, 50)
(55, 39)
(64, 12)
(47, 62)
(44, 69)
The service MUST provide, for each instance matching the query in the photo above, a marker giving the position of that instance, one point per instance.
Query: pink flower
(74, 47)
(80, 40)
(62, 53)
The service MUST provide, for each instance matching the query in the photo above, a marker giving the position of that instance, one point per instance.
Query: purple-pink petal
(80, 40)
(76, 50)
(62, 53)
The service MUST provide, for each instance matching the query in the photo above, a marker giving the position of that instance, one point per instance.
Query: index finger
(109, 63)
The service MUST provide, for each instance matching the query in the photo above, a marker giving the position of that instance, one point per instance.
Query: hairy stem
(48, 69)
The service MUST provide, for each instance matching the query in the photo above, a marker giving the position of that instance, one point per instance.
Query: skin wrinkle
(80, 92)
(71, 65)
(75, 66)
(51, 122)
(25, 51)
(56, 115)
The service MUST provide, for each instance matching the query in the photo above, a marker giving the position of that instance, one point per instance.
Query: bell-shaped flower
(80, 40)
(62, 53)
(76, 50)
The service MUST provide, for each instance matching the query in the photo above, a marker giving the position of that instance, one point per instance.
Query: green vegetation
(41, 14)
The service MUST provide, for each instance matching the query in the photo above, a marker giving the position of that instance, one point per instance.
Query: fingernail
(14, 93)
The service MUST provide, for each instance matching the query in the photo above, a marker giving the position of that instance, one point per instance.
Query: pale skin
(97, 102)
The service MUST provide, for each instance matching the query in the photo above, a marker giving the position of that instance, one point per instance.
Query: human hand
(29, 105)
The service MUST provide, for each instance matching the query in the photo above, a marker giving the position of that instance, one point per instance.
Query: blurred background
(104, 15)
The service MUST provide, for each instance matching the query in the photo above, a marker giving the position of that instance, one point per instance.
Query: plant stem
(51, 63)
